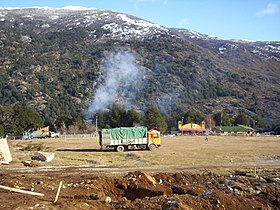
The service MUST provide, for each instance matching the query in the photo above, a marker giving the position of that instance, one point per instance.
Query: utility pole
(221, 121)
(96, 119)
(182, 125)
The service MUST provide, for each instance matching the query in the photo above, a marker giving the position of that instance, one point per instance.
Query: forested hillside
(56, 61)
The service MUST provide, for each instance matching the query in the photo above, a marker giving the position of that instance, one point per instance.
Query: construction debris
(21, 191)
(58, 191)
(43, 156)
(136, 190)
(5, 154)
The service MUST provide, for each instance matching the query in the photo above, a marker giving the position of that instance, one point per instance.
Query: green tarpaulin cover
(126, 132)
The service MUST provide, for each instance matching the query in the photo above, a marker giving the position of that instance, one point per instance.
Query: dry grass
(174, 151)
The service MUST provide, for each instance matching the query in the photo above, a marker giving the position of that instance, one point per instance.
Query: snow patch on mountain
(118, 25)
(75, 8)
(271, 50)
(227, 46)
(140, 23)
(126, 27)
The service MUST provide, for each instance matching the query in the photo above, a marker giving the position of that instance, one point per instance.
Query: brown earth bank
(238, 189)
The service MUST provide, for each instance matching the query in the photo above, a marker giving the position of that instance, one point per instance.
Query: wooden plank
(21, 191)
(58, 191)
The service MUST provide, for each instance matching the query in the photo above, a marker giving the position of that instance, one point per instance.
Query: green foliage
(242, 119)
(192, 116)
(54, 73)
(16, 119)
(101, 120)
(222, 118)
(2, 132)
(64, 121)
(118, 117)
(25, 119)
(258, 122)
(80, 123)
(155, 119)
(132, 117)
(172, 121)
(7, 120)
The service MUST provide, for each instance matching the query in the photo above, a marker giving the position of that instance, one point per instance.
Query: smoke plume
(119, 81)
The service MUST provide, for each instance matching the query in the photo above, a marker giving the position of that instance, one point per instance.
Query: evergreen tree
(242, 119)
(155, 119)
(25, 119)
(80, 124)
(63, 122)
(101, 120)
(119, 117)
(172, 121)
(192, 116)
(16, 119)
(222, 119)
(132, 118)
(259, 122)
(6, 120)
(116, 117)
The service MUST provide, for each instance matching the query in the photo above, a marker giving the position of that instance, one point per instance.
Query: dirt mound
(139, 190)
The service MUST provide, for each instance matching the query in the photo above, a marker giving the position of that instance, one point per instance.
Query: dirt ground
(184, 173)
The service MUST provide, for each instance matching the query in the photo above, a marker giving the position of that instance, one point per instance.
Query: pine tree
(155, 119)
(242, 119)
(222, 119)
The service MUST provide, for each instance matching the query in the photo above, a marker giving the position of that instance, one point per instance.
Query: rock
(108, 199)
(150, 179)
(237, 185)
(257, 187)
(240, 173)
(229, 188)
(43, 156)
(29, 163)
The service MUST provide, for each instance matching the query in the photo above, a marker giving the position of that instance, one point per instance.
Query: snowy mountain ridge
(122, 26)
(116, 24)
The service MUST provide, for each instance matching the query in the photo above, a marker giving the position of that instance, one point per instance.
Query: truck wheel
(152, 147)
(120, 148)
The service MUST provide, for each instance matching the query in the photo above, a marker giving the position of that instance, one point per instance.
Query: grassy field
(181, 151)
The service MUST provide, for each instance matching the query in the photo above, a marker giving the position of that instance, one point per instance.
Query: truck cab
(154, 137)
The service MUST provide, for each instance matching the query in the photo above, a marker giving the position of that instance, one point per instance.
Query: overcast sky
(256, 20)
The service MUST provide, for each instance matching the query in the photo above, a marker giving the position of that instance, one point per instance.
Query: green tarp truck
(125, 138)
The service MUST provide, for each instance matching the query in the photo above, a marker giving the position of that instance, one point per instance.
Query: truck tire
(152, 147)
(120, 148)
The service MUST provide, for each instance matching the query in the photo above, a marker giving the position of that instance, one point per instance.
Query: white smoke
(120, 79)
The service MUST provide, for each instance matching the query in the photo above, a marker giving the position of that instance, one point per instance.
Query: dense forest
(16, 120)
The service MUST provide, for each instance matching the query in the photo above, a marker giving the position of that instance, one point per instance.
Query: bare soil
(184, 173)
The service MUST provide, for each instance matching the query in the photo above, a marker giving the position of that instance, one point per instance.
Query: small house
(235, 130)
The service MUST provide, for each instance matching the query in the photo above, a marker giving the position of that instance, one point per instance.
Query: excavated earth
(140, 190)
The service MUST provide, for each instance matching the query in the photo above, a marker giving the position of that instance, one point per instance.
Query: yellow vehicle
(125, 138)
(154, 137)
